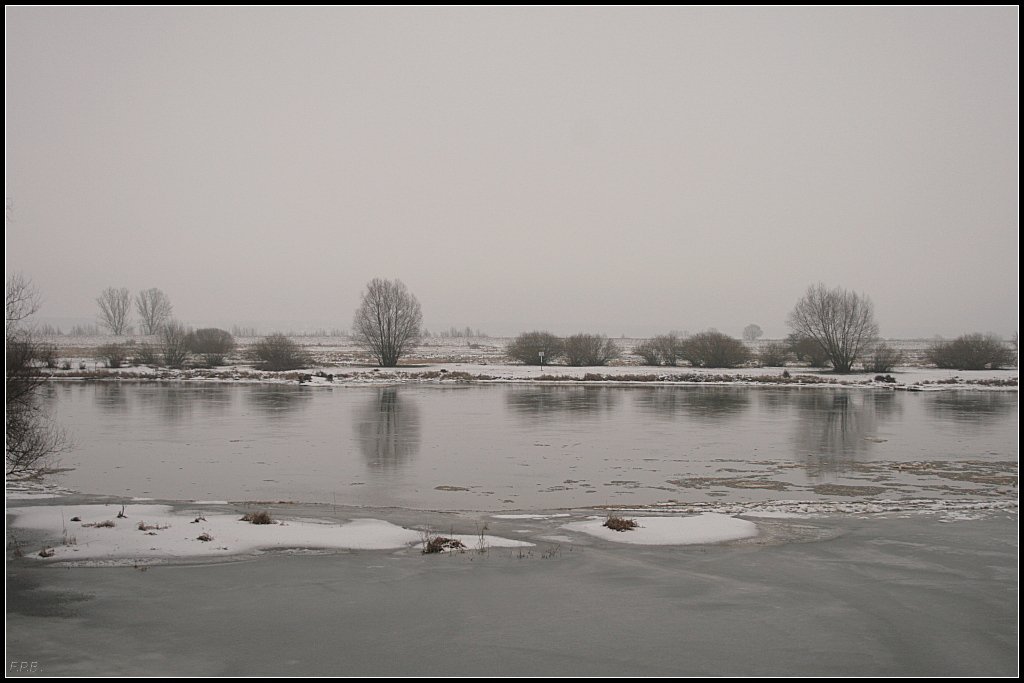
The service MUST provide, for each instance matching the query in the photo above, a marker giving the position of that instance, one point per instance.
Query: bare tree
(115, 304)
(22, 300)
(388, 321)
(752, 332)
(32, 438)
(841, 322)
(154, 309)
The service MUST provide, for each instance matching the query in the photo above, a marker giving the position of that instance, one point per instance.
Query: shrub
(773, 354)
(661, 350)
(714, 350)
(648, 350)
(114, 355)
(278, 352)
(589, 350)
(670, 348)
(971, 352)
(526, 348)
(175, 340)
(620, 523)
(883, 358)
(437, 544)
(807, 350)
(261, 517)
(47, 354)
(146, 355)
(212, 344)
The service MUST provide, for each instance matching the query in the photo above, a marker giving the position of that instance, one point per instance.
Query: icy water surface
(534, 447)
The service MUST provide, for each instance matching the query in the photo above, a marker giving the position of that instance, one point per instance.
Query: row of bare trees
(830, 327)
(152, 306)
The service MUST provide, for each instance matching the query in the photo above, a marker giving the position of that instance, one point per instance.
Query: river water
(473, 447)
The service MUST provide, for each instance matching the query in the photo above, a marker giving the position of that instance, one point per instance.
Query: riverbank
(337, 361)
(902, 379)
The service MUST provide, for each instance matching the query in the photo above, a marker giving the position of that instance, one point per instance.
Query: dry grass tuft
(106, 524)
(261, 517)
(437, 544)
(616, 523)
(205, 537)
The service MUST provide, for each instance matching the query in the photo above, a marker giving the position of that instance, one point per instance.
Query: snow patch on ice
(170, 534)
(708, 527)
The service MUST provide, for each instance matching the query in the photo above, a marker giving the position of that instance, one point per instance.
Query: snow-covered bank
(901, 379)
(94, 534)
(339, 362)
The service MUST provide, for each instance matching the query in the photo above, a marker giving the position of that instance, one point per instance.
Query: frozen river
(533, 447)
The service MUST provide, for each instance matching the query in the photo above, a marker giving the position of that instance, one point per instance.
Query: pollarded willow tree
(841, 322)
(388, 321)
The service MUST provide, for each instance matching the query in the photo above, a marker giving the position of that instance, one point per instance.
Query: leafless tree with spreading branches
(841, 322)
(115, 305)
(21, 301)
(154, 309)
(32, 438)
(388, 321)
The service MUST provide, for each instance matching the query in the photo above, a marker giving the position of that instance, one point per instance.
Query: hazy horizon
(610, 170)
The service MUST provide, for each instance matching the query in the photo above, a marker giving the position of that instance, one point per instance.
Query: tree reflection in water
(700, 403)
(112, 396)
(388, 429)
(278, 401)
(834, 427)
(973, 407)
(541, 401)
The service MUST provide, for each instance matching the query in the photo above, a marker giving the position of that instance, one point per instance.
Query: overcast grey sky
(622, 170)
